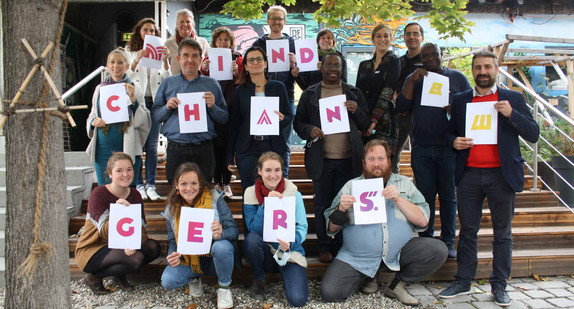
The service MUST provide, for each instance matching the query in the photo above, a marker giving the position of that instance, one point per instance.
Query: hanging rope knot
(26, 269)
(64, 109)
(9, 111)
(39, 61)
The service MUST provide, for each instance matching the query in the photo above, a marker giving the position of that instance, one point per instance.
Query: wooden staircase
(543, 231)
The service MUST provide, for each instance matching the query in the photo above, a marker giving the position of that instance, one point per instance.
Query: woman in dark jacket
(377, 78)
(242, 146)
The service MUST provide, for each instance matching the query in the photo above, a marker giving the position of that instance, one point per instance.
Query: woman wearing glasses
(243, 146)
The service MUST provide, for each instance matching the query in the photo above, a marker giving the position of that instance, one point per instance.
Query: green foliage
(463, 64)
(557, 139)
(446, 16)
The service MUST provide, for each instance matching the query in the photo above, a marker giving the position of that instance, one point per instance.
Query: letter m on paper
(482, 122)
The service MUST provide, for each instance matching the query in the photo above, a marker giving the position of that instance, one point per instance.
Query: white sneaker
(152, 194)
(195, 289)
(141, 190)
(227, 191)
(224, 299)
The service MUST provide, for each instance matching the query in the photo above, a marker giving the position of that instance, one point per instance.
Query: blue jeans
(474, 186)
(150, 149)
(259, 256)
(433, 169)
(334, 175)
(220, 264)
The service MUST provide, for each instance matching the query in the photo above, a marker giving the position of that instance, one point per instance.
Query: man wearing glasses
(330, 160)
(276, 18)
(413, 37)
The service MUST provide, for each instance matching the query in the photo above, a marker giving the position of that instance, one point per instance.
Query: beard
(482, 83)
(385, 174)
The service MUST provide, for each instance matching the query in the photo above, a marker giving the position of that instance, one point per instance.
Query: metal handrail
(539, 102)
(81, 83)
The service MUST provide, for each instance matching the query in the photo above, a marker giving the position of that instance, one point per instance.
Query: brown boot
(401, 294)
(122, 283)
(96, 285)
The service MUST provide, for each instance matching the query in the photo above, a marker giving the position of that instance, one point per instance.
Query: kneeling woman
(191, 190)
(290, 262)
(92, 253)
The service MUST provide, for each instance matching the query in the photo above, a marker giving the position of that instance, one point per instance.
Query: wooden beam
(538, 58)
(570, 71)
(502, 52)
(531, 38)
(524, 78)
(541, 51)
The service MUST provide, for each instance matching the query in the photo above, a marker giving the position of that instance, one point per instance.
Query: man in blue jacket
(432, 159)
(495, 171)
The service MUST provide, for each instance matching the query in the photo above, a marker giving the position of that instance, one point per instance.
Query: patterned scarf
(203, 202)
(262, 192)
(179, 38)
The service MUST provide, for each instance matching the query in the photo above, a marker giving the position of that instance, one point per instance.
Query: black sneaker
(257, 290)
(456, 288)
(501, 298)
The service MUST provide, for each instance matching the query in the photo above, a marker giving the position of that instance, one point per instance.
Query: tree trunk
(49, 287)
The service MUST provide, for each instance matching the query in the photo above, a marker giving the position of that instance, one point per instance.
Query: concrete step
(74, 196)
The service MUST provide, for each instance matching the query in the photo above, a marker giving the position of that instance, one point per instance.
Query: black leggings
(114, 262)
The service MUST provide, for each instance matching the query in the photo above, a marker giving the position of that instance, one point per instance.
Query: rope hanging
(41, 249)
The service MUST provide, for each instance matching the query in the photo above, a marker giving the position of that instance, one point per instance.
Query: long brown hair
(136, 43)
(174, 198)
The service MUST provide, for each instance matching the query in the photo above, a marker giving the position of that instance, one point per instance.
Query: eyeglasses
(255, 60)
(276, 19)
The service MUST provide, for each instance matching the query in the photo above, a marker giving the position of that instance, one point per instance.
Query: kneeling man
(381, 247)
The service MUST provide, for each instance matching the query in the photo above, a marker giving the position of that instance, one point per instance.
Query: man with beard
(385, 247)
(432, 159)
(495, 171)
(330, 160)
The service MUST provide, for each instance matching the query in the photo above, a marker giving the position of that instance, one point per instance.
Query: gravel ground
(149, 295)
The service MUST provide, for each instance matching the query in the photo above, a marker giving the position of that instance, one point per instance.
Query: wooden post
(570, 71)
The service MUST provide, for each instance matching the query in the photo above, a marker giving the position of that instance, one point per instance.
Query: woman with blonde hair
(128, 136)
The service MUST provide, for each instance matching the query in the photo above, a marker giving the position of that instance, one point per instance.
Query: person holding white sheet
(286, 258)
(148, 80)
(92, 253)
(494, 171)
(184, 29)
(389, 247)
(432, 159)
(128, 136)
(241, 145)
(330, 160)
(223, 37)
(190, 189)
(189, 147)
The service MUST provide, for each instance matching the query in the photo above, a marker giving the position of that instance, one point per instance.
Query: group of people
(384, 109)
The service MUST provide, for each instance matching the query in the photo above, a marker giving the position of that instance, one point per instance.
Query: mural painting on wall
(354, 31)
